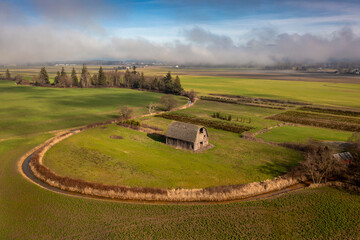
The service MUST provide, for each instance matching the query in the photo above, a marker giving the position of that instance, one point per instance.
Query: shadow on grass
(276, 167)
(157, 137)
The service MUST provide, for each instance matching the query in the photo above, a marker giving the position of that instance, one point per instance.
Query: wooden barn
(187, 136)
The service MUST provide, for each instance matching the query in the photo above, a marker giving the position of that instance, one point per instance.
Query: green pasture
(302, 134)
(141, 160)
(30, 212)
(331, 94)
(30, 110)
(241, 114)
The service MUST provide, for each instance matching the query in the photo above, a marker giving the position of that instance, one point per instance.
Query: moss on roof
(183, 131)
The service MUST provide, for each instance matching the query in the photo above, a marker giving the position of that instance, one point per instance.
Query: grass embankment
(94, 156)
(302, 134)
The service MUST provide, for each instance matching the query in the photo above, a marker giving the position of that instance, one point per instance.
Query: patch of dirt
(116, 137)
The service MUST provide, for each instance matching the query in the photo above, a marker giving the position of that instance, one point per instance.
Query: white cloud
(43, 43)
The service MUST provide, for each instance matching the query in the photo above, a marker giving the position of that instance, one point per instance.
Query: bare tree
(151, 107)
(191, 95)
(319, 164)
(169, 102)
(126, 112)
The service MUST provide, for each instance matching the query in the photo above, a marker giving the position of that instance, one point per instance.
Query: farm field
(93, 156)
(243, 115)
(30, 212)
(302, 134)
(30, 110)
(330, 94)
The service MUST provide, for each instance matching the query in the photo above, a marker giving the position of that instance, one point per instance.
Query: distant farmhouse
(187, 136)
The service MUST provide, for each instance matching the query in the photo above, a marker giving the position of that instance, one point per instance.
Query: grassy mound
(139, 159)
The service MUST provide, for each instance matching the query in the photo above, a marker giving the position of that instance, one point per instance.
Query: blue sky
(157, 29)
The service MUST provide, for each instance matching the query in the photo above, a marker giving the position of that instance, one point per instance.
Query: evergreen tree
(85, 79)
(63, 73)
(101, 77)
(155, 84)
(168, 83)
(57, 78)
(94, 79)
(141, 80)
(134, 69)
(43, 77)
(74, 77)
(127, 78)
(7, 75)
(177, 89)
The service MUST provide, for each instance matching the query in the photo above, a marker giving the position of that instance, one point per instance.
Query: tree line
(8, 76)
(114, 78)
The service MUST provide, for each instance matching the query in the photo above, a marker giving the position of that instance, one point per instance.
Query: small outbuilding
(187, 136)
(345, 157)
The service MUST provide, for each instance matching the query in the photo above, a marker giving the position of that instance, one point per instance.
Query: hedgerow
(319, 120)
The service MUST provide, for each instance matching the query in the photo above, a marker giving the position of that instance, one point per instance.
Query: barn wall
(179, 143)
(201, 137)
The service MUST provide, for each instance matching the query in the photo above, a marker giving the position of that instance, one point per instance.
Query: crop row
(264, 100)
(247, 103)
(331, 111)
(231, 127)
(319, 120)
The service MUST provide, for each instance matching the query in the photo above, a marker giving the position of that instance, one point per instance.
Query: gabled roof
(183, 131)
(346, 156)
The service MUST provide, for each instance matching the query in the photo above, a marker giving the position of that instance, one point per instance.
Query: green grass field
(30, 212)
(30, 110)
(331, 94)
(302, 134)
(256, 115)
(94, 156)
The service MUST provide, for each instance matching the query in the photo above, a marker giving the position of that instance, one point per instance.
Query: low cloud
(198, 46)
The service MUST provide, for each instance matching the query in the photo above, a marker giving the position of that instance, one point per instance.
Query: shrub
(126, 112)
(192, 95)
(169, 102)
(130, 123)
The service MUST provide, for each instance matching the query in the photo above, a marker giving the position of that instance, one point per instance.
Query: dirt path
(25, 170)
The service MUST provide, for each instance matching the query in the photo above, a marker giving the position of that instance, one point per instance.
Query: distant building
(346, 157)
(187, 136)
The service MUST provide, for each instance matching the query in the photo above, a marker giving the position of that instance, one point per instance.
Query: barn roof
(183, 131)
(346, 156)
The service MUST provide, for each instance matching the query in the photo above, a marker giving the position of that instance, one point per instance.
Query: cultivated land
(302, 134)
(30, 212)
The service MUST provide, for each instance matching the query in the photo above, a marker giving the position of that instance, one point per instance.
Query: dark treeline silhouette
(114, 78)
